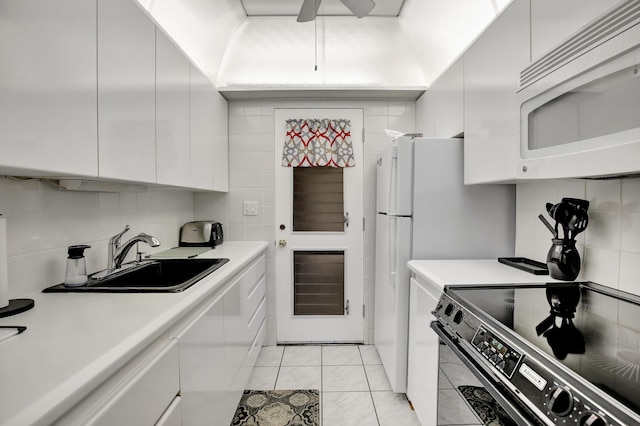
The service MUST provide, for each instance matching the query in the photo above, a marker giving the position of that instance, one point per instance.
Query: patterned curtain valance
(318, 143)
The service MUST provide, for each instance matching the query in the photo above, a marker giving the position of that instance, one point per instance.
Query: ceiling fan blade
(309, 10)
(359, 8)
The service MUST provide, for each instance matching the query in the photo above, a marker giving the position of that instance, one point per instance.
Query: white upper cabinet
(552, 21)
(91, 88)
(126, 92)
(447, 97)
(491, 116)
(209, 135)
(48, 87)
(172, 113)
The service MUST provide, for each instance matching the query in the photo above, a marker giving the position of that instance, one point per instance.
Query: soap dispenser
(76, 266)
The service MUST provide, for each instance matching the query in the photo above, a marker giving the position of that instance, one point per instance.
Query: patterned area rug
(278, 408)
(487, 408)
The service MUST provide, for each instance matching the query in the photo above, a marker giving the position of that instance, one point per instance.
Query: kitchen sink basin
(158, 276)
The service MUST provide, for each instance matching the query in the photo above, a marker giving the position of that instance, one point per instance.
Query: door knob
(282, 243)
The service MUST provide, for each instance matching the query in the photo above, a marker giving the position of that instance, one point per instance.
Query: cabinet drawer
(256, 345)
(256, 295)
(138, 394)
(147, 392)
(173, 415)
(257, 318)
(253, 275)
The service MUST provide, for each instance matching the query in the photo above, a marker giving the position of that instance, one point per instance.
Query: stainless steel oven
(549, 353)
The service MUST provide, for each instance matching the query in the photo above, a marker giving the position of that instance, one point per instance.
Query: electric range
(549, 353)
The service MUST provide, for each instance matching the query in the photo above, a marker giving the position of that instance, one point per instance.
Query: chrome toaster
(202, 233)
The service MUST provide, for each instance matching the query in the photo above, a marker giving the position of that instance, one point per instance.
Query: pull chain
(315, 28)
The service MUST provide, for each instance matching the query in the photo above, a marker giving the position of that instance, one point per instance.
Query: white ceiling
(396, 53)
(327, 8)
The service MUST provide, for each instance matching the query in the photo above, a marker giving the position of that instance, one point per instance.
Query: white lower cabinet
(138, 394)
(422, 380)
(196, 372)
(218, 348)
(203, 385)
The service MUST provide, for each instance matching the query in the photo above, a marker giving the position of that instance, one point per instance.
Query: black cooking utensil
(554, 231)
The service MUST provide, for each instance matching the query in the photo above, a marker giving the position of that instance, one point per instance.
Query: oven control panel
(503, 357)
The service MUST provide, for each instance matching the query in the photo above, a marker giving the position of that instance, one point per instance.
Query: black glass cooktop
(591, 329)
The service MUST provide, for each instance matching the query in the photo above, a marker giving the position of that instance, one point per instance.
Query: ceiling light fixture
(359, 8)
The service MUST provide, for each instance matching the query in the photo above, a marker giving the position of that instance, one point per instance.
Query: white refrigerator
(424, 211)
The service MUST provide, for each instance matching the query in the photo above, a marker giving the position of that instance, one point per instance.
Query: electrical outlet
(250, 208)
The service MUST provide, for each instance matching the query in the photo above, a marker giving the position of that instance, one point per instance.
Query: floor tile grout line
(279, 367)
(373, 403)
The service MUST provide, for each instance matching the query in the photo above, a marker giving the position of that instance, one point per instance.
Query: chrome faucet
(118, 253)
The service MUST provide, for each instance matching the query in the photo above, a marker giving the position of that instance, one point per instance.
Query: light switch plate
(250, 208)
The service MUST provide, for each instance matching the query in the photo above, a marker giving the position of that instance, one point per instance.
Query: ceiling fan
(309, 8)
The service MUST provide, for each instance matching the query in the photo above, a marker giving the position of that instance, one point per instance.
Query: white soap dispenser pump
(76, 266)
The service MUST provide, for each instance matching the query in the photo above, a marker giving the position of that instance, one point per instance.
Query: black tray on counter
(527, 265)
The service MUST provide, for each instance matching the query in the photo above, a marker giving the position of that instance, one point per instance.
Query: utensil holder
(563, 260)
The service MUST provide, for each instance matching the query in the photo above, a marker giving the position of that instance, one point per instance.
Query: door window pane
(318, 282)
(318, 199)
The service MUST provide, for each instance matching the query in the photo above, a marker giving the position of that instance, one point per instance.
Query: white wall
(351, 53)
(43, 221)
(610, 246)
(251, 167)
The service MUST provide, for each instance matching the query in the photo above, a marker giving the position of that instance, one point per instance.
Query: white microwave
(580, 103)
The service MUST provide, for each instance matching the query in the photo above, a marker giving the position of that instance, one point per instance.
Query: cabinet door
(244, 313)
(48, 87)
(172, 113)
(447, 98)
(491, 115)
(553, 21)
(424, 344)
(204, 384)
(209, 147)
(126, 92)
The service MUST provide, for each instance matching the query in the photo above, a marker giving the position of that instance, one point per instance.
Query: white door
(319, 274)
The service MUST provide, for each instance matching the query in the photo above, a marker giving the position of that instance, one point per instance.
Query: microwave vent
(615, 21)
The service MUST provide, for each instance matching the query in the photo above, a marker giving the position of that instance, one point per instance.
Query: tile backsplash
(252, 178)
(42, 221)
(609, 247)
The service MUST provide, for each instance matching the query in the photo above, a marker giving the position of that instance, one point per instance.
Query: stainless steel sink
(158, 276)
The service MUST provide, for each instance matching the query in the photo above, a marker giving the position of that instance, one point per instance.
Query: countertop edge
(69, 393)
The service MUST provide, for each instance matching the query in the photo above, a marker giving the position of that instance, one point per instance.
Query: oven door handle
(516, 411)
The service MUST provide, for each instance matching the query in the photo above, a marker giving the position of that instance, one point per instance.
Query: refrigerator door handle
(393, 186)
(393, 249)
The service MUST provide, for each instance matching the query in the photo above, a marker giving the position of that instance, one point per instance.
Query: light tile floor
(354, 386)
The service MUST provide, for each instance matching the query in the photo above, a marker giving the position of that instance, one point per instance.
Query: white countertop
(74, 341)
(438, 273)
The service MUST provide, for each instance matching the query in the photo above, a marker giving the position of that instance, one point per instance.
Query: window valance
(318, 143)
